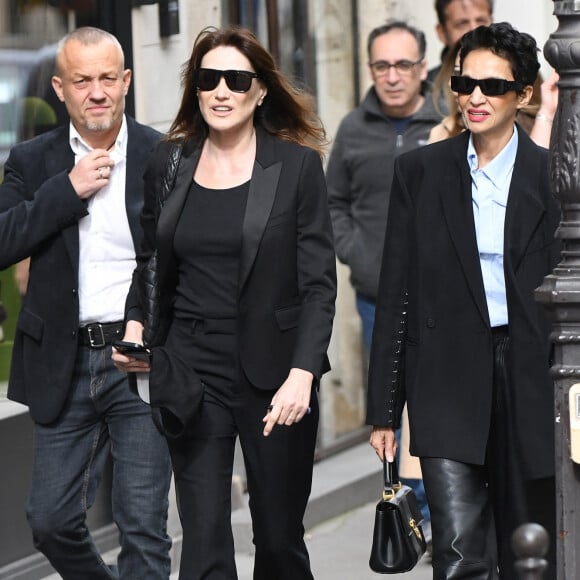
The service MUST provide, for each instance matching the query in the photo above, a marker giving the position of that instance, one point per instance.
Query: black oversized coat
(431, 272)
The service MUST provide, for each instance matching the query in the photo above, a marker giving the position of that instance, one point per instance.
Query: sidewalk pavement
(339, 550)
(339, 520)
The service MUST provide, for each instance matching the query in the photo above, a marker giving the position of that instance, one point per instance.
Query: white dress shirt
(107, 253)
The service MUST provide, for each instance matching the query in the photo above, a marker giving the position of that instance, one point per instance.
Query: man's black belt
(100, 334)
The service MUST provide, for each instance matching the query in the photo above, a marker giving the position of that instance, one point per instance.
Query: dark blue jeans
(100, 416)
(366, 310)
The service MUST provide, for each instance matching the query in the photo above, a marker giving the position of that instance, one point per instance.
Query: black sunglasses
(489, 87)
(238, 81)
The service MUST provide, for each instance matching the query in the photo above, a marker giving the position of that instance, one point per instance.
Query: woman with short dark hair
(458, 334)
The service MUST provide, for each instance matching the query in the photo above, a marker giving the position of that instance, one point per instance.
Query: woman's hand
(129, 364)
(549, 92)
(291, 401)
(383, 442)
(542, 129)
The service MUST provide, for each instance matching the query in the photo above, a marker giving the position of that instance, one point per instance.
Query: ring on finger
(100, 170)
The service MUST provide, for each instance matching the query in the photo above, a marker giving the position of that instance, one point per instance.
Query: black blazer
(431, 271)
(39, 213)
(287, 282)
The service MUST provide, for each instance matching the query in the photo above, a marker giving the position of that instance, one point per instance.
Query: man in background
(71, 200)
(394, 117)
(455, 18)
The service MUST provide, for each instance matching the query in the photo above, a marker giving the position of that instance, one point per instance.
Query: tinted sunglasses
(489, 87)
(238, 81)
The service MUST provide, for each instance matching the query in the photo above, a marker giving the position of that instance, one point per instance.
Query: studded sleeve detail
(396, 396)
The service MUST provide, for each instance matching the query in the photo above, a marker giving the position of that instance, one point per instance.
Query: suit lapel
(524, 208)
(258, 208)
(60, 157)
(458, 210)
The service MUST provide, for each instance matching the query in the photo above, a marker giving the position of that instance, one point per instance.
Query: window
(282, 26)
(28, 106)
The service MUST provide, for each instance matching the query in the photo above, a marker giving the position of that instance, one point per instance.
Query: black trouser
(278, 467)
(475, 509)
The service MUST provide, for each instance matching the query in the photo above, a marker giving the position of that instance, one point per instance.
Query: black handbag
(398, 540)
(175, 391)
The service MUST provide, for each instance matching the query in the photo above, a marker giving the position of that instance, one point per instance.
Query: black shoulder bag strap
(149, 285)
(168, 180)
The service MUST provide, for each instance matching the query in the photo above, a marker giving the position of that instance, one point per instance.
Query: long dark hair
(287, 111)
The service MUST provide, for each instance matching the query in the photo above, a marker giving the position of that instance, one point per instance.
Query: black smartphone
(133, 349)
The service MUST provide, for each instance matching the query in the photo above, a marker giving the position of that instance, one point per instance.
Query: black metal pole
(560, 292)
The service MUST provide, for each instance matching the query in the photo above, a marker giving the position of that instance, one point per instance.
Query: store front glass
(29, 31)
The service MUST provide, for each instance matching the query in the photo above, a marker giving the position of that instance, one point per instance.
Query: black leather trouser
(462, 523)
(475, 508)
(465, 534)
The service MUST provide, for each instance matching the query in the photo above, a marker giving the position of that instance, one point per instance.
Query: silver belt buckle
(96, 335)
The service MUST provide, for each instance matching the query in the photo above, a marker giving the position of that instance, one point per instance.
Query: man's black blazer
(287, 281)
(39, 214)
(431, 271)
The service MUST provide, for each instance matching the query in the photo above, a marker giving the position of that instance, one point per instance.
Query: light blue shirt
(489, 192)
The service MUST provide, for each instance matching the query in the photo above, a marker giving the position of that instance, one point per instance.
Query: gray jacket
(359, 176)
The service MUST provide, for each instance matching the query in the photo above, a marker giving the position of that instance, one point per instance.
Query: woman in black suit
(247, 262)
(458, 334)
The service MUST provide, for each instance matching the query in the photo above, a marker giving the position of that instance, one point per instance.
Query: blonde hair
(453, 123)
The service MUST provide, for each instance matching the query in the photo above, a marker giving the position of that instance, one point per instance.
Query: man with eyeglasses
(394, 117)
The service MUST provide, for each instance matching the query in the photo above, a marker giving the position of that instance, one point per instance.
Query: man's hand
(129, 364)
(91, 173)
(383, 442)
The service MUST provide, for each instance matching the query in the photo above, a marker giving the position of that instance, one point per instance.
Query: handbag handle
(392, 484)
